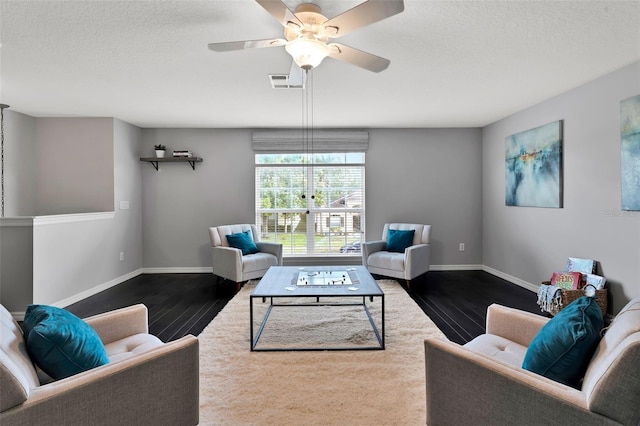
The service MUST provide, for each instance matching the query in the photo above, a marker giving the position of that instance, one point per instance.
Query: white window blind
(313, 204)
(326, 141)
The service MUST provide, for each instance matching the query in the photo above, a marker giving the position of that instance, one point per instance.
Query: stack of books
(184, 153)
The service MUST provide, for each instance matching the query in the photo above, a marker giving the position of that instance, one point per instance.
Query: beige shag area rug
(372, 387)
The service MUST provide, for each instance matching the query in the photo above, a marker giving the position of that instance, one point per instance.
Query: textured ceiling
(453, 63)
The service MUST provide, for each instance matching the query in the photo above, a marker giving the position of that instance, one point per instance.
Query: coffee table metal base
(273, 304)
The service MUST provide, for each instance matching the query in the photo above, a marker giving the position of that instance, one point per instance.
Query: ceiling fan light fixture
(307, 53)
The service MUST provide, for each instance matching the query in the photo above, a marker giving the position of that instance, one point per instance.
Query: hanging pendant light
(2, 107)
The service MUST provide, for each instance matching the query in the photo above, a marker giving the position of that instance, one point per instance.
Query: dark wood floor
(181, 304)
(457, 301)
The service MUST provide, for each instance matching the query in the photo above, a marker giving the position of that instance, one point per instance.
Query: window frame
(321, 240)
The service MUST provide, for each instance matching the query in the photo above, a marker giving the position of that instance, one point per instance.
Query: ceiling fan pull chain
(2, 107)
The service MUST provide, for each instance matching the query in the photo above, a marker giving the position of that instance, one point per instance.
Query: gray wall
(430, 176)
(409, 178)
(20, 164)
(126, 232)
(16, 263)
(74, 165)
(530, 243)
(72, 259)
(59, 259)
(180, 204)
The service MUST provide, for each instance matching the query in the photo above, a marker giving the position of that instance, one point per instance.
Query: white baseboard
(512, 279)
(455, 267)
(19, 316)
(179, 270)
(97, 289)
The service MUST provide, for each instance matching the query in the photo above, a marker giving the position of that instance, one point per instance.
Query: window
(312, 203)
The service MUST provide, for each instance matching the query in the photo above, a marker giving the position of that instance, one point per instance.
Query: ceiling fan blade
(280, 11)
(247, 44)
(297, 76)
(364, 14)
(357, 57)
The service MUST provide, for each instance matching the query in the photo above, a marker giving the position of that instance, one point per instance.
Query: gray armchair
(231, 264)
(146, 382)
(407, 265)
(482, 382)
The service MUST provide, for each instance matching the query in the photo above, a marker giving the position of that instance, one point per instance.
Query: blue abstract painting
(533, 167)
(630, 152)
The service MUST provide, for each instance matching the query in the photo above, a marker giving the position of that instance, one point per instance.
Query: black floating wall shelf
(156, 160)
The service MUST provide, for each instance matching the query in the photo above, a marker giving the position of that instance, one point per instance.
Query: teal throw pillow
(398, 241)
(243, 241)
(563, 347)
(60, 343)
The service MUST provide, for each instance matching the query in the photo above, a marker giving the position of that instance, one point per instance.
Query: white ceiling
(453, 63)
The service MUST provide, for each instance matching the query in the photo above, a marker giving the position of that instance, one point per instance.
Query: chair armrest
(464, 387)
(227, 262)
(157, 387)
(120, 323)
(370, 247)
(273, 248)
(417, 260)
(514, 324)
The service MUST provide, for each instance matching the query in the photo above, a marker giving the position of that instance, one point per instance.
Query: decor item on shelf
(182, 153)
(533, 167)
(2, 107)
(160, 150)
(630, 152)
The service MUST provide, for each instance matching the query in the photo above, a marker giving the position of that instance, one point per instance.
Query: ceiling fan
(307, 33)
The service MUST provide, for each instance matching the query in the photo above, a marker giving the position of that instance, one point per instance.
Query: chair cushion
(60, 343)
(387, 260)
(498, 348)
(131, 346)
(563, 347)
(258, 262)
(244, 242)
(399, 240)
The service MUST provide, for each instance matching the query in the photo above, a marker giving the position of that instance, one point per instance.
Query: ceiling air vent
(281, 81)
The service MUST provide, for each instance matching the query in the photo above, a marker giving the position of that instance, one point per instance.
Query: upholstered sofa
(146, 382)
(483, 383)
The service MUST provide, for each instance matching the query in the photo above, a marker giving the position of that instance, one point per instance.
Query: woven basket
(569, 296)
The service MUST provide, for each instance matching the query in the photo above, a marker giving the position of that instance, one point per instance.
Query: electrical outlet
(461, 247)
(124, 205)
(121, 256)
